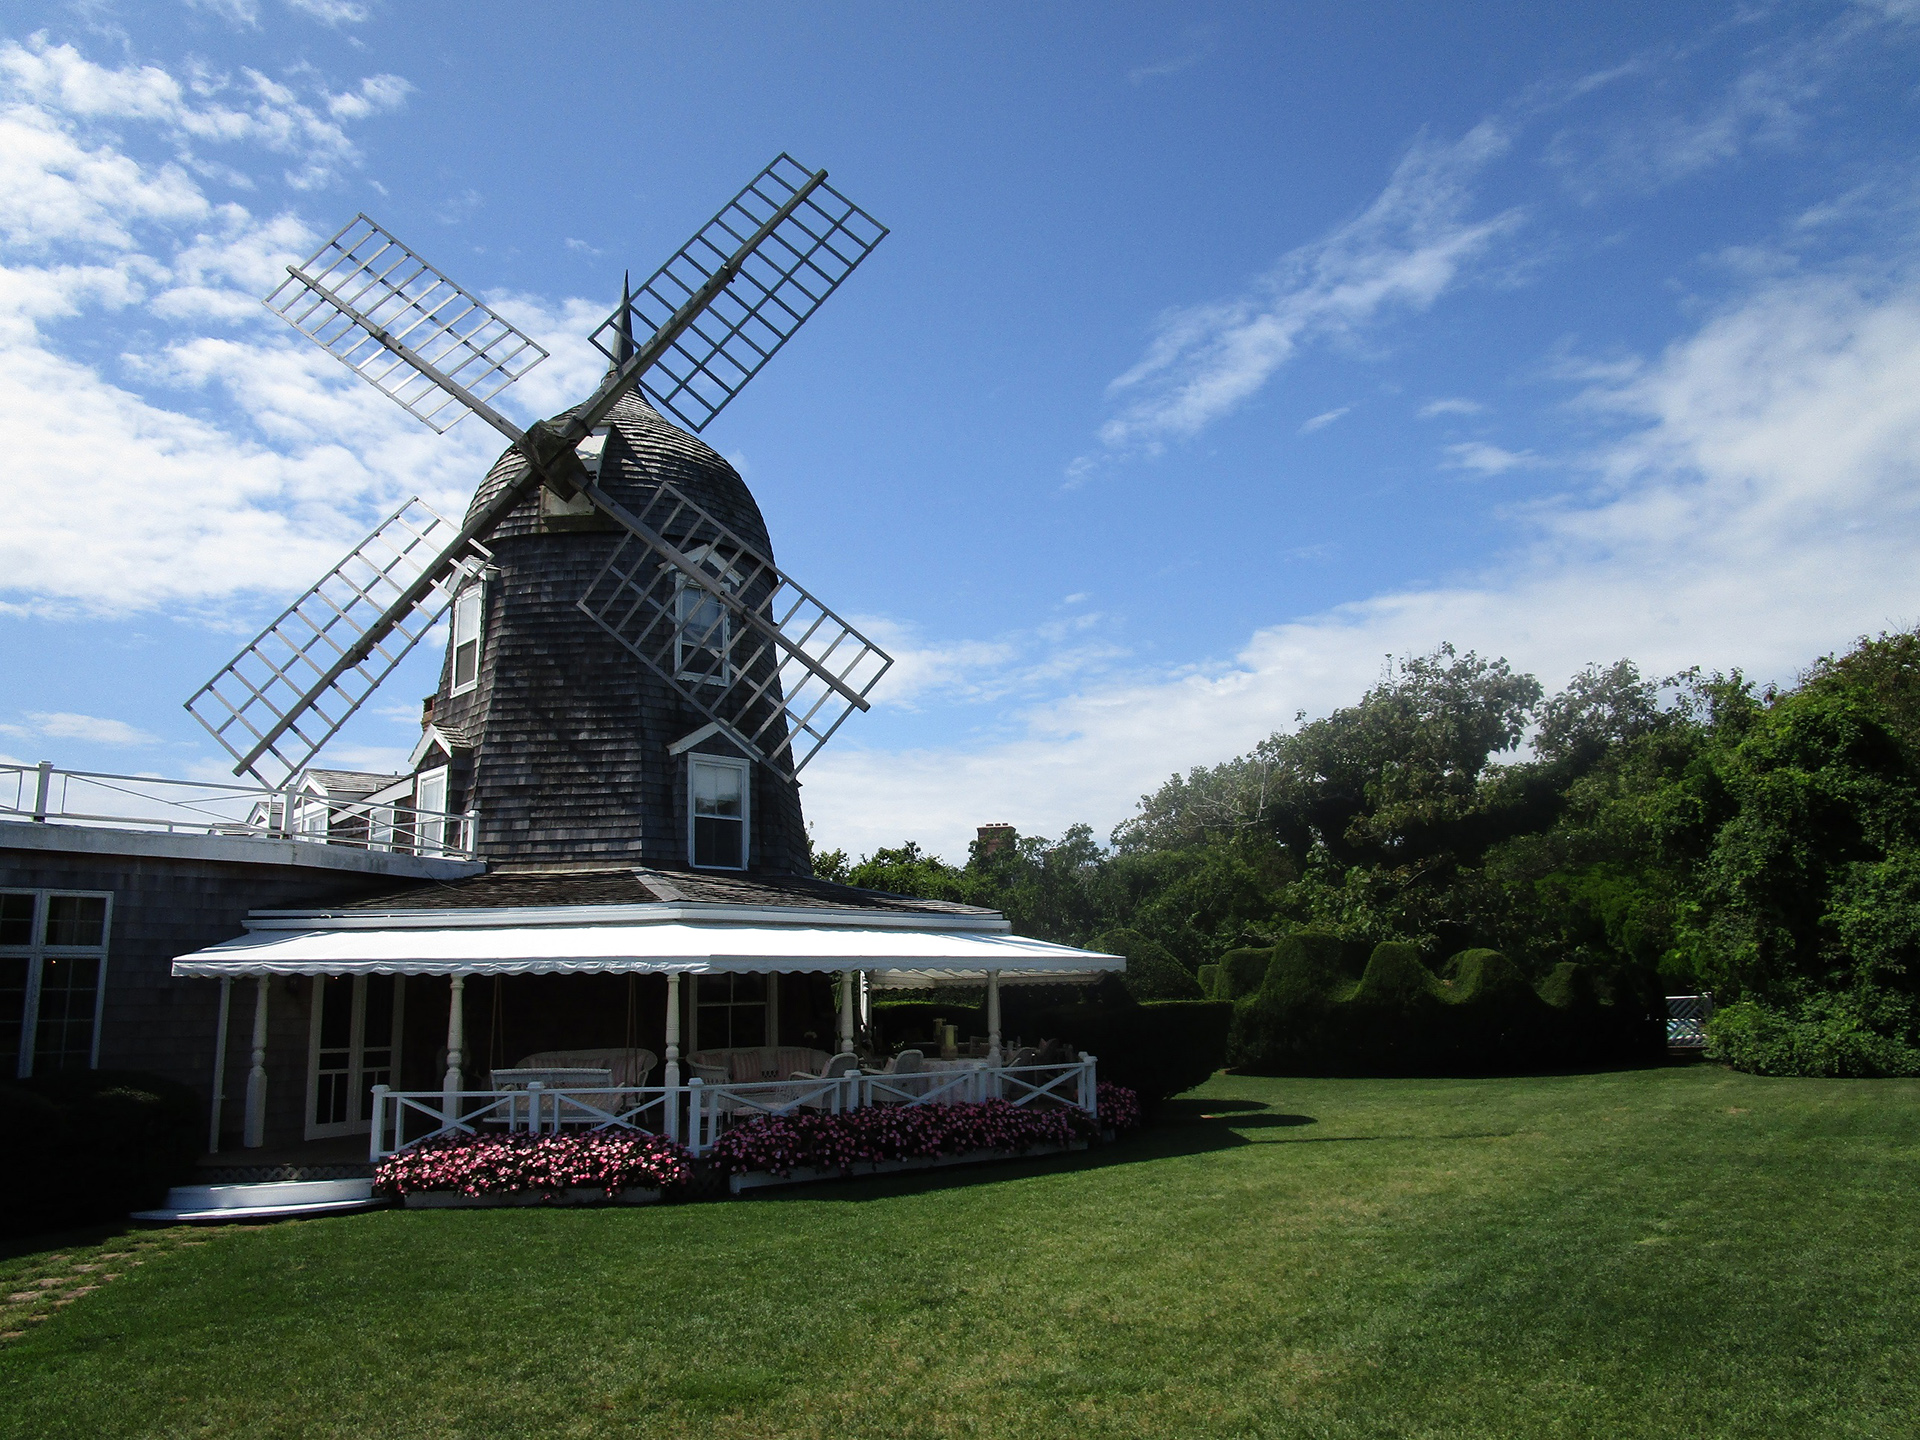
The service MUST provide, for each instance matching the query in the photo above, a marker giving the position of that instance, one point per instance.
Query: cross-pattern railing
(1687, 1017)
(696, 1114)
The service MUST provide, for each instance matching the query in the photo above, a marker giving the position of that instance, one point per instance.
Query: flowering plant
(781, 1144)
(613, 1160)
(1119, 1108)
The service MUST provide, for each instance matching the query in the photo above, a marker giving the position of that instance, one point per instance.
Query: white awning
(896, 959)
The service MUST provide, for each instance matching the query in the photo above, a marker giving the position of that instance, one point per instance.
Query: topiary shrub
(1290, 1023)
(1499, 1019)
(1209, 978)
(1241, 973)
(1152, 972)
(91, 1145)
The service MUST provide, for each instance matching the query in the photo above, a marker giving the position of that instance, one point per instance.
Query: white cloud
(1412, 244)
(1489, 459)
(1450, 406)
(60, 89)
(241, 14)
(1324, 419)
(1765, 509)
(119, 498)
(332, 12)
(92, 729)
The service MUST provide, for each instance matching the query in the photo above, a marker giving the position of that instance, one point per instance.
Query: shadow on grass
(1179, 1128)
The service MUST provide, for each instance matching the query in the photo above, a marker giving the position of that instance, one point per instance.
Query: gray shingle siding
(568, 732)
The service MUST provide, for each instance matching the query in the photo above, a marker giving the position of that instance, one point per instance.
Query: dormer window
(702, 628)
(467, 610)
(718, 801)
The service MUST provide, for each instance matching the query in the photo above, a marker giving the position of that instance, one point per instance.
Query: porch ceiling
(896, 958)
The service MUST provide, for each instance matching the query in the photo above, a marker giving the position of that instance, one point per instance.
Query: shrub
(1241, 973)
(1209, 978)
(1826, 1035)
(99, 1143)
(609, 1160)
(1156, 1049)
(1289, 1023)
(1152, 972)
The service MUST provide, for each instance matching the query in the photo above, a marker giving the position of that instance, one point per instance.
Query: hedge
(91, 1145)
(1310, 1014)
(1157, 1048)
(1827, 1035)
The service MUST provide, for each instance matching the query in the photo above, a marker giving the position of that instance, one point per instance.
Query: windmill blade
(795, 267)
(738, 640)
(406, 329)
(292, 688)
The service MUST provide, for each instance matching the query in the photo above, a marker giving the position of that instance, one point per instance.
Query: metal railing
(44, 794)
(696, 1114)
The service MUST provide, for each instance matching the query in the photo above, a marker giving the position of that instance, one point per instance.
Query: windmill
(697, 601)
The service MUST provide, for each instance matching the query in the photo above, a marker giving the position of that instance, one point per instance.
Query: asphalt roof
(633, 885)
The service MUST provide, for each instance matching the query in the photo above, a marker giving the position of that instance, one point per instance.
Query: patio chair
(907, 1062)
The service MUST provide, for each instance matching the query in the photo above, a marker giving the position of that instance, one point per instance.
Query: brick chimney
(997, 837)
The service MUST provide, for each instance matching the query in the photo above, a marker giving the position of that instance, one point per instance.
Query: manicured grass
(1664, 1252)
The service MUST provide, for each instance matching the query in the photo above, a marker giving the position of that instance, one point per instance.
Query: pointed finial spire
(624, 351)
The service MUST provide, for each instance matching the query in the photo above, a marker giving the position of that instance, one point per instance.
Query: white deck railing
(695, 1114)
(196, 807)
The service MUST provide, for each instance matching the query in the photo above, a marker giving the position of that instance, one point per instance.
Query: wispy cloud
(91, 729)
(1489, 459)
(1324, 419)
(1412, 244)
(1453, 405)
(332, 12)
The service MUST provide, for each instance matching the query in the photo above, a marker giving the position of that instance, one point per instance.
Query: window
(53, 960)
(717, 791)
(467, 613)
(702, 629)
(430, 819)
(730, 1010)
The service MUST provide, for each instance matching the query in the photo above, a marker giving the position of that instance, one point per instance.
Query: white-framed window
(430, 804)
(468, 610)
(53, 976)
(702, 628)
(719, 801)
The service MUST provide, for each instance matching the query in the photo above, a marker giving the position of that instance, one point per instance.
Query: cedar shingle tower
(571, 754)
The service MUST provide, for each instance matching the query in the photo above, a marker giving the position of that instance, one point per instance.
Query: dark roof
(632, 885)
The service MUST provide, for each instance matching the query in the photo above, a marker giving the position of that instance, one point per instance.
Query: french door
(354, 1045)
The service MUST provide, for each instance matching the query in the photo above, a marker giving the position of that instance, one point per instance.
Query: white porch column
(846, 1012)
(219, 1064)
(256, 1131)
(671, 1075)
(993, 1018)
(450, 1085)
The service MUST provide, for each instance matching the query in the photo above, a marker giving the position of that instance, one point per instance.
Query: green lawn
(1664, 1252)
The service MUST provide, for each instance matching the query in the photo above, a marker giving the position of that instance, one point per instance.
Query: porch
(663, 1019)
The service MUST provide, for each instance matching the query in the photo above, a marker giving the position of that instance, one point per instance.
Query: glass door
(354, 1045)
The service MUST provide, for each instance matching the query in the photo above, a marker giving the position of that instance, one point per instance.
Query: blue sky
(1217, 352)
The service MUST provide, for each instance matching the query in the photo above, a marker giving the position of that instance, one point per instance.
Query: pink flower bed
(781, 1144)
(610, 1160)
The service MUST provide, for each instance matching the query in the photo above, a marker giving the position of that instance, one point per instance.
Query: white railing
(695, 1114)
(196, 807)
(1687, 1017)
